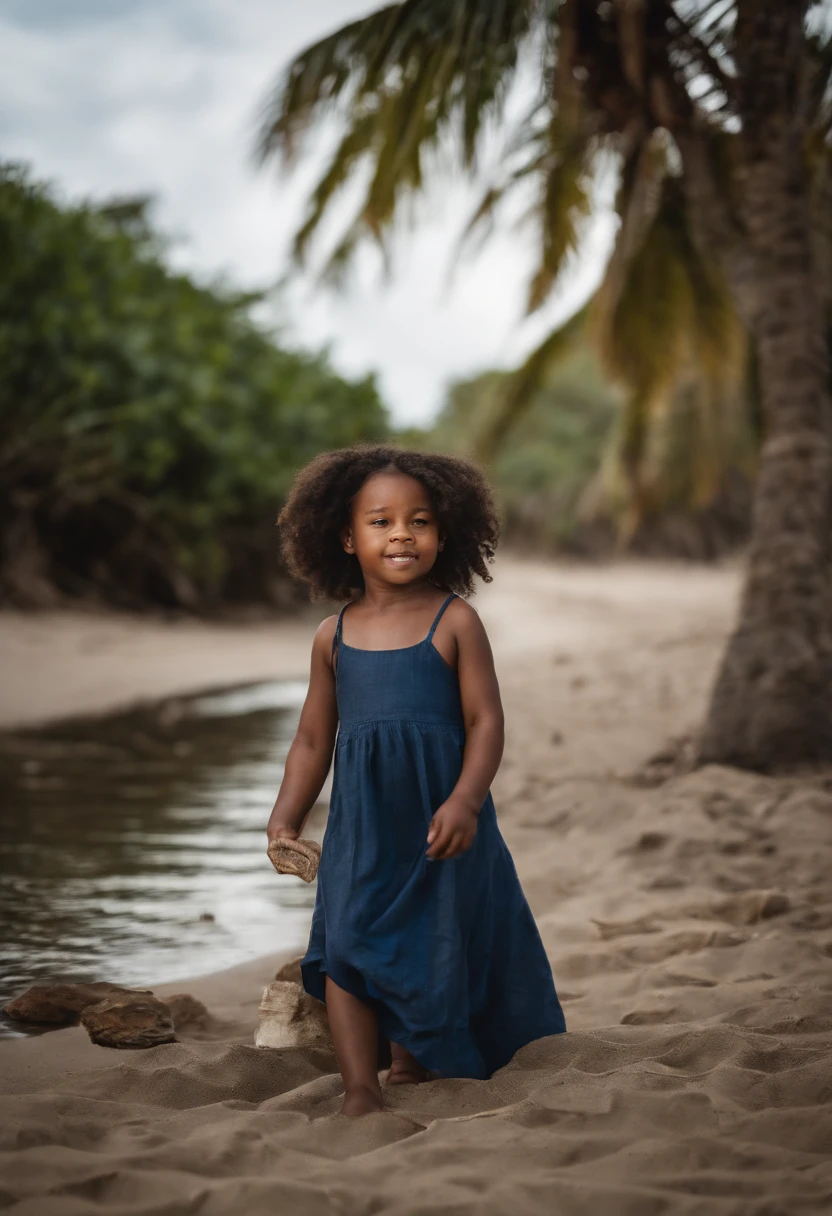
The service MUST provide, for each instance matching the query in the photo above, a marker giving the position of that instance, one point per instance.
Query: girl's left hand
(452, 831)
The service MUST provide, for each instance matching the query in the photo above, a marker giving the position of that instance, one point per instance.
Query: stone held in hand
(298, 857)
(129, 1020)
(290, 1017)
(62, 1004)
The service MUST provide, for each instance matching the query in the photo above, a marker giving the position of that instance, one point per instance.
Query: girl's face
(393, 530)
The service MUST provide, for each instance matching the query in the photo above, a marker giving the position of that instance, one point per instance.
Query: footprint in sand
(649, 1017)
(608, 929)
(678, 979)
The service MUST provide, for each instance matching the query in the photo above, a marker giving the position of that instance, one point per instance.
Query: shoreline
(75, 665)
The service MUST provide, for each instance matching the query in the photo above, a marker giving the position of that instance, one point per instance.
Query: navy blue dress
(447, 952)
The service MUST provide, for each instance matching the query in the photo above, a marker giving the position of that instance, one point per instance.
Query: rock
(129, 1020)
(290, 1017)
(188, 1012)
(291, 972)
(61, 1004)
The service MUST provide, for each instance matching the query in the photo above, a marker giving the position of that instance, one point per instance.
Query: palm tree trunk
(772, 704)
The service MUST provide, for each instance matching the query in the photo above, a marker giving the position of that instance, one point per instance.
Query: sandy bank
(58, 665)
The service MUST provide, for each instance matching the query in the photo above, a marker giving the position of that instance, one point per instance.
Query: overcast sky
(111, 97)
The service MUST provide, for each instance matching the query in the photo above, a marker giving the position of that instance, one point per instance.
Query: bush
(149, 428)
(550, 455)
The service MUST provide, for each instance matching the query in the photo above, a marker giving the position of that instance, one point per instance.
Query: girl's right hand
(280, 832)
(452, 830)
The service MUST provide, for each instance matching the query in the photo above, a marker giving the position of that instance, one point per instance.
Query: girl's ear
(347, 541)
(441, 545)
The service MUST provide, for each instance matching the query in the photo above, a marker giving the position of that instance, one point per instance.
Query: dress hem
(390, 1026)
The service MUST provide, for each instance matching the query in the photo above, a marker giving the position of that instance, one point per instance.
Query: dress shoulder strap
(438, 618)
(336, 640)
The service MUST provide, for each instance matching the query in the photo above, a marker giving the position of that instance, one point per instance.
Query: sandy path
(688, 917)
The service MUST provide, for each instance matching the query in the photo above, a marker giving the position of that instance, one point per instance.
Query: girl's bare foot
(354, 1027)
(406, 1070)
(362, 1100)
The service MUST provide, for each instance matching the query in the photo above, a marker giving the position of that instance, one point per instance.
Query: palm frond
(526, 155)
(353, 147)
(623, 485)
(707, 52)
(637, 203)
(401, 81)
(518, 389)
(668, 333)
(672, 311)
(564, 202)
(319, 76)
(819, 84)
(561, 56)
(631, 35)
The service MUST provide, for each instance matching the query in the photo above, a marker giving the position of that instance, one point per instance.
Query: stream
(132, 847)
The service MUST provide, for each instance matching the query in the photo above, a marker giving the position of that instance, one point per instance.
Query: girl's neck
(384, 597)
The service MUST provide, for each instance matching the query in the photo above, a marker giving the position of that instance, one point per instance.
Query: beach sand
(687, 914)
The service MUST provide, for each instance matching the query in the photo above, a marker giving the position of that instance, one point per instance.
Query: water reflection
(132, 848)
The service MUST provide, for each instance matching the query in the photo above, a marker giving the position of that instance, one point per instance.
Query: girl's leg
(354, 1027)
(405, 1069)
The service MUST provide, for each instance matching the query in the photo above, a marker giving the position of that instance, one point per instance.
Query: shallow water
(132, 848)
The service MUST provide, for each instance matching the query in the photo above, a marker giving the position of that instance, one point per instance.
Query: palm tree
(719, 109)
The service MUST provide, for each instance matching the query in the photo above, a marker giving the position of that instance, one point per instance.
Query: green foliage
(561, 474)
(149, 429)
(551, 454)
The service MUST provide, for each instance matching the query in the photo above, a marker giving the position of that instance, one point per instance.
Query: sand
(687, 914)
(59, 665)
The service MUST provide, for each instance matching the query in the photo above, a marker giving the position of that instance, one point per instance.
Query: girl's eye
(379, 521)
(420, 521)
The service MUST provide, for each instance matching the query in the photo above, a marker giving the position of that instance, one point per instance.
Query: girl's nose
(402, 533)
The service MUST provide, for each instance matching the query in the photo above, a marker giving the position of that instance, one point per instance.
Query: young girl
(421, 933)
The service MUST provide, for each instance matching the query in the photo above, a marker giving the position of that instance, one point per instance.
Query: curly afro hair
(318, 509)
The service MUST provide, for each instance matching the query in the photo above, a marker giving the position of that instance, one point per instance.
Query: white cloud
(147, 97)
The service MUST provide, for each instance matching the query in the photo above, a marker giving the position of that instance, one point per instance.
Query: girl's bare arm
(310, 755)
(454, 825)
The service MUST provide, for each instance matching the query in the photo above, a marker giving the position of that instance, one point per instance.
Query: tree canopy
(558, 468)
(149, 428)
(615, 86)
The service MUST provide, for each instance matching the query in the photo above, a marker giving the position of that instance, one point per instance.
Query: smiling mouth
(401, 559)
